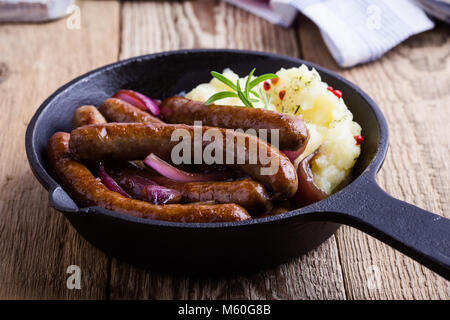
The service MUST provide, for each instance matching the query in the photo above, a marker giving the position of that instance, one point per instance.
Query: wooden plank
(37, 244)
(156, 26)
(411, 85)
(316, 275)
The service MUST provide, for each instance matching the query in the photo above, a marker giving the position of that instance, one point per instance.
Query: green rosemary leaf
(221, 95)
(244, 99)
(247, 83)
(242, 95)
(223, 79)
(238, 86)
(262, 78)
(255, 93)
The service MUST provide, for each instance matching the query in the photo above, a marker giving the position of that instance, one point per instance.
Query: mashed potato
(300, 91)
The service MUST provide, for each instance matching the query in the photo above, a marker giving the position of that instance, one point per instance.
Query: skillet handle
(422, 235)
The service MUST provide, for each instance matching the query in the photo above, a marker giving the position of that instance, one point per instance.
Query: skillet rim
(366, 177)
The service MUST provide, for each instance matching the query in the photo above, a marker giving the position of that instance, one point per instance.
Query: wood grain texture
(157, 26)
(36, 243)
(411, 84)
(153, 26)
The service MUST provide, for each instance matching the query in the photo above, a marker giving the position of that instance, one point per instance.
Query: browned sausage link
(279, 207)
(134, 141)
(86, 190)
(116, 110)
(247, 193)
(85, 115)
(292, 135)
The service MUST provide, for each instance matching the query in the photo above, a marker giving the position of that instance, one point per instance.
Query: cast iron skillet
(218, 248)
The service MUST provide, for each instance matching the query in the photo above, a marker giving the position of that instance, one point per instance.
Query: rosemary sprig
(243, 95)
(265, 98)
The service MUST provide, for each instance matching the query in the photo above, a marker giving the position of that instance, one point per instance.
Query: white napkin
(355, 31)
(33, 10)
(439, 9)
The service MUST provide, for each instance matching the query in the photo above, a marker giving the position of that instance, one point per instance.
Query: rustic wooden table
(411, 84)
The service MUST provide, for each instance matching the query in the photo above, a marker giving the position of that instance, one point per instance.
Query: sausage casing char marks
(86, 115)
(247, 193)
(116, 110)
(87, 190)
(293, 133)
(134, 141)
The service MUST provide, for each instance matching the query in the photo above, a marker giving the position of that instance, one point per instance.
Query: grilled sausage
(247, 193)
(279, 207)
(116, 110)
(85, 115)
(134, 141)
(87, 190)
(292, 130)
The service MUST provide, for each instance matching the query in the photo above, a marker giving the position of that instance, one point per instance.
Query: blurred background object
(275, 11)
(33, 10)
(439, 9)
(355, 31)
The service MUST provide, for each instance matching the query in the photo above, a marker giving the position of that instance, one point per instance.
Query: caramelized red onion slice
(139, 186)
(308, 192)
(292, 155)
(133, 184)
(109, 182)
(160, 195)
(169, 171)
(138, 100)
